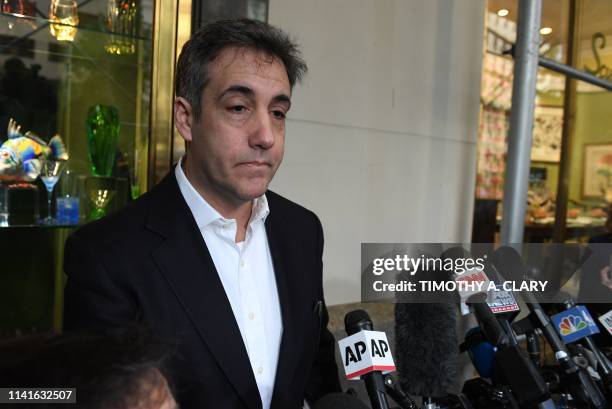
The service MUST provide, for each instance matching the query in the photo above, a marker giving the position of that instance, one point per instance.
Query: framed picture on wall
(596, 170)
(547, 128)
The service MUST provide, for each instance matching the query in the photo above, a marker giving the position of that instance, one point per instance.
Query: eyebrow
(248, 92)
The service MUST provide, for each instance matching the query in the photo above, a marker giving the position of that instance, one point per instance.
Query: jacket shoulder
(288, 208)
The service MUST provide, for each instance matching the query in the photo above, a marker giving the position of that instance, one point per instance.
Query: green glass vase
(102, 138)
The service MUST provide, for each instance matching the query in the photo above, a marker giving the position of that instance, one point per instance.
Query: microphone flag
(606, 321)
(364, 352)
(574, 324)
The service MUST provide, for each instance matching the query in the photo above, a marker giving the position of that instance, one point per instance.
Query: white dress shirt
(247, 275)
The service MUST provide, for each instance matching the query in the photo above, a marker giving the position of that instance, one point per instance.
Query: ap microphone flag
(364, 352)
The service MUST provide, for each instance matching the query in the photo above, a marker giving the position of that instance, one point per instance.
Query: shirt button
(241, 263)
(251, 316)
(260, 370)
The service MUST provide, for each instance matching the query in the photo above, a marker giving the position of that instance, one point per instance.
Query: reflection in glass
(22, 7)
(121, 21)
(65, 13)
(18, 8)
(4, 206)
(133, 177)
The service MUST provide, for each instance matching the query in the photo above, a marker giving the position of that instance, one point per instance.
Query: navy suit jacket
(148, 264)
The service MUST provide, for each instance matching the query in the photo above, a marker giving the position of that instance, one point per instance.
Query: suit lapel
(186, 264)
(287, 358)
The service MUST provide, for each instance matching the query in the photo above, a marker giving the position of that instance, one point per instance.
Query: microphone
(575, 324)
(398, 394)
(510, 264)
(426, 338)
(427, 349)
(503, 303)
(339, 401)
(481, 352)
(511, 364)
(363, 349)
(533, 348)
(489, 324)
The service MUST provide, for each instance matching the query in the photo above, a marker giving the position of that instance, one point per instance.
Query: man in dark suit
(209, 257)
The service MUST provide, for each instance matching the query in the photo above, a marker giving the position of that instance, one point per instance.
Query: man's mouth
(255, 164)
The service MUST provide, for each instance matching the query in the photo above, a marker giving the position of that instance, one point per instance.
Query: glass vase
(100, 191)
(65, 15)
(102, 138)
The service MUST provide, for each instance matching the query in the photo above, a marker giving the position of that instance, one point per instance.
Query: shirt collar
(203, 213)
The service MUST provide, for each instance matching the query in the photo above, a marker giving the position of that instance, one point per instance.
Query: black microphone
(339, 401)
(427, 352)
(354, 322)
(533, 347)
(488, 323)
(510, 264)
(511, 365)
(602, 366)
(398, 394)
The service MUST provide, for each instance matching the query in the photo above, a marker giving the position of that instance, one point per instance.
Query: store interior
(582, 111)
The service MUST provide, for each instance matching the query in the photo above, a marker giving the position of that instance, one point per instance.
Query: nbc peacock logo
(571, 324)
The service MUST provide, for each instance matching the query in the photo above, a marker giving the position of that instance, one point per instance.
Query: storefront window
(584, 214)
(207, 11)
(590, 177)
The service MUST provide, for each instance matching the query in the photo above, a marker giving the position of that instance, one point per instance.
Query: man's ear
(183, 118)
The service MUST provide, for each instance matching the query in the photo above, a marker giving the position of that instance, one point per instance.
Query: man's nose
(262, 134)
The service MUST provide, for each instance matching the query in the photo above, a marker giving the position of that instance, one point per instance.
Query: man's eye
(279, 114)
(238, 109)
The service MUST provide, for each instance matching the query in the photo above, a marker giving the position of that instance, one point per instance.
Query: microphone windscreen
(356, 321)
(509, 263)
(339, 401)
(427, 348)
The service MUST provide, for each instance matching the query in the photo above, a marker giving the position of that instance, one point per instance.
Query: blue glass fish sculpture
(20, 154)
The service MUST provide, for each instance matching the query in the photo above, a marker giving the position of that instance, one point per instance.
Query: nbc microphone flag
(574, 324)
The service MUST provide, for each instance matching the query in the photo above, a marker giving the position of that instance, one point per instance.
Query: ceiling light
(545, 30)
(502, 12)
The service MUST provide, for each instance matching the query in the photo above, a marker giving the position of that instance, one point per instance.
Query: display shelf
(20, 24)
(41, 226)
(49, 86)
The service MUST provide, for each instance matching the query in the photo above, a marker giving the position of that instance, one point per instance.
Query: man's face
(238, 142)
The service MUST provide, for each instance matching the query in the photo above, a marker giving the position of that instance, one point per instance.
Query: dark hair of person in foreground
(118, 371)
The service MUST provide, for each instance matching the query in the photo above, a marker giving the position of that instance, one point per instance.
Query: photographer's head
(233, 85)
(121, 371)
